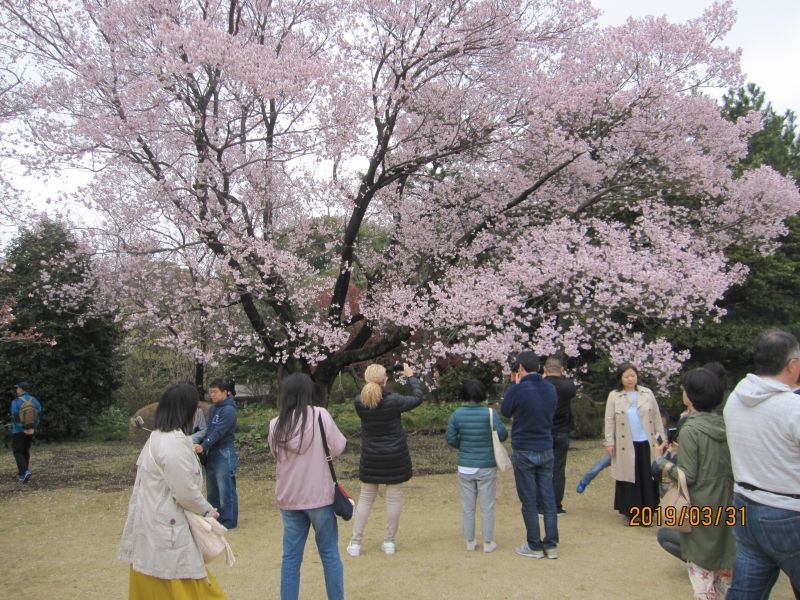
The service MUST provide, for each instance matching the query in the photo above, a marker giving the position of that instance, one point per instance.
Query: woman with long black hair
(304, 486)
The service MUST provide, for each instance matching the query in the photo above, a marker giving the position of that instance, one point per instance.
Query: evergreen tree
(74, 366)
(768, 297)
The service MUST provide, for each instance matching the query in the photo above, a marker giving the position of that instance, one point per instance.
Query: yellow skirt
(146, 587)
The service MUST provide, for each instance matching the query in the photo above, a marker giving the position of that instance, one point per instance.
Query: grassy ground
(59, 534)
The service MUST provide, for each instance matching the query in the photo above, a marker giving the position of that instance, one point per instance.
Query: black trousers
(560, 449)
(21, 447)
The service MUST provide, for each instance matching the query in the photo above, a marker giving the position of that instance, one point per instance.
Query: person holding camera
(709, 550)
(531, 402)
(385, 458)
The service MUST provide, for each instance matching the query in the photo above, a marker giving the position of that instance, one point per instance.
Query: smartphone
(672, 434)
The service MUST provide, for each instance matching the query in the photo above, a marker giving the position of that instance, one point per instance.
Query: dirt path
(61, 542)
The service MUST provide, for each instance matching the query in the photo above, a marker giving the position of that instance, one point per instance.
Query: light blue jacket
(468, 430)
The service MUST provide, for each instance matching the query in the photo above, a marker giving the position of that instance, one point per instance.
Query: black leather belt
(753, 488)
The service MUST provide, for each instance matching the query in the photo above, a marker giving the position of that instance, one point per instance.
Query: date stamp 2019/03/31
(695, 516)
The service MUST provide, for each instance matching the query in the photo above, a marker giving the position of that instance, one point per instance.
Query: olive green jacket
(704, 458)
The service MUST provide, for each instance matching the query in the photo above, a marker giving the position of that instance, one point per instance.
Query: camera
(396, 368)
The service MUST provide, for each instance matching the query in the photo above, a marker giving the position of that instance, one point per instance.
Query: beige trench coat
(156, 539)
(618, 430)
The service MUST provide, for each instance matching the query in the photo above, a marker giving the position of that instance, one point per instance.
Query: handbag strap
(682, 482)
(683, 485)
(155, 462)
(491, 420)
(325, 447)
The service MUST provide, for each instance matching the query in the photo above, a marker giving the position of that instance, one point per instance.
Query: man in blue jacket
(531, 403)
(21, 438)
(222, 461)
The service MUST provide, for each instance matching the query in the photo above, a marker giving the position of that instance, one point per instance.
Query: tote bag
(677, 499)
(208, 533)
(500, 454)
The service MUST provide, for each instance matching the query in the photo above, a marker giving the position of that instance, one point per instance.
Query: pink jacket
(303, 479)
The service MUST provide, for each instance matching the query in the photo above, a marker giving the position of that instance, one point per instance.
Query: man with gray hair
(762, 418)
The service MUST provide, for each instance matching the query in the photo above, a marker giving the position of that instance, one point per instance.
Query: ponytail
(372, 392)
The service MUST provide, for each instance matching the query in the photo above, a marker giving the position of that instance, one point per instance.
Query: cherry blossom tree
(497, 175)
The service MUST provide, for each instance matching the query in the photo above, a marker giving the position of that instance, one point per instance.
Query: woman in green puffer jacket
(469, 431)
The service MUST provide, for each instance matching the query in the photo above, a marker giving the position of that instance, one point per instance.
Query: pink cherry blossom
(327, 182)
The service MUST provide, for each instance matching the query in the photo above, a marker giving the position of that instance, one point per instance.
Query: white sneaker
(388, 548)
(354, 549)
(471, 545)
(489, 547)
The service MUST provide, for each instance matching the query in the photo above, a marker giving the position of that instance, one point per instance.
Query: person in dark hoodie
(222, 462)
(709, 550)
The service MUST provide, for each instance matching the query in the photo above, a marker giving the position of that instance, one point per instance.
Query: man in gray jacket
(762, 418)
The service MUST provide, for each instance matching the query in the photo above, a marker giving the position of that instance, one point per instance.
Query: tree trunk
(199, 375)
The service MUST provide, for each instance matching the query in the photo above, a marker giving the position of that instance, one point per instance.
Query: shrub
(112, 425)
(589, 416)
(490, 374)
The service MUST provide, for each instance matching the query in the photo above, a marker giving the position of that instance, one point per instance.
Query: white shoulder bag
(500, 454)
(208, 533)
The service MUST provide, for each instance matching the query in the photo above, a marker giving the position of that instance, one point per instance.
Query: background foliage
(769, 295)
(76, 369)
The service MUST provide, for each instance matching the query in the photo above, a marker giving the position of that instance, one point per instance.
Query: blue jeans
(326, 534)
(594, 470)
(768, 543)
(533, 472)
(221, 484)
(560, 448)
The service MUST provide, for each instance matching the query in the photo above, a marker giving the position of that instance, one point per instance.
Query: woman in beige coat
(165, 561)
(632, 424)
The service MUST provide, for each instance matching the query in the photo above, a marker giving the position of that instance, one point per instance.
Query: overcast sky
(767, 31)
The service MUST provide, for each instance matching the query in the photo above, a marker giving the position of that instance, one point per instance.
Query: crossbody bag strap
(491, 420)
(164, 475)
(325, 447)
(155, 462)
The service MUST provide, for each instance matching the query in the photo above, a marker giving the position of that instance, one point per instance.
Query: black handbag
(342, 502)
